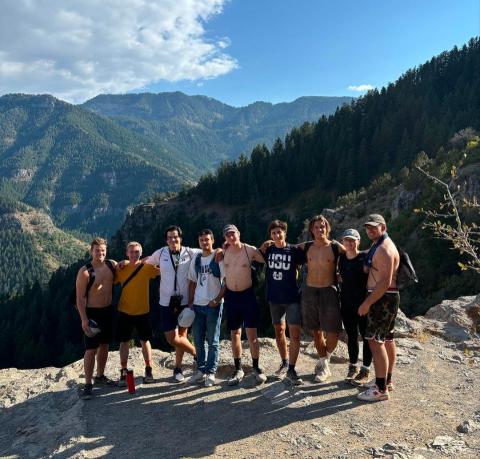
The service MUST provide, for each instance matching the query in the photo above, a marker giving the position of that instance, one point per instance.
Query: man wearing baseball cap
(380, 306)
(240, 302)
(353, 279)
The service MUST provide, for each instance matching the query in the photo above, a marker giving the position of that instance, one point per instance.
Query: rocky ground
(434, 410)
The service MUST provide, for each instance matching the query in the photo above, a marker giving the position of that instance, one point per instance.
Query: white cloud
(361, 87)
(76, 50)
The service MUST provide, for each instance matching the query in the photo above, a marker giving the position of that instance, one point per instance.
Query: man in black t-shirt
(281, 261)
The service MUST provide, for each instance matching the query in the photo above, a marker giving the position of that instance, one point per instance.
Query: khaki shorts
(321, 309)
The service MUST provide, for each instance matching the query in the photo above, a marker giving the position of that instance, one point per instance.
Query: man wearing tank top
(380, 307)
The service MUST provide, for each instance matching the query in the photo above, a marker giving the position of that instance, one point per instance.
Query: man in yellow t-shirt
(134, 309)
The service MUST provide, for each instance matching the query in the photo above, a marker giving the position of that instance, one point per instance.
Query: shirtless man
(240, 302)
(94, 303)
(320, 300)
(380, 307)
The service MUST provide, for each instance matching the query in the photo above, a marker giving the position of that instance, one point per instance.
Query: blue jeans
(206, 332)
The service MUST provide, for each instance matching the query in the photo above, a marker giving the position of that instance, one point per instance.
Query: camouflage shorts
(381, 318)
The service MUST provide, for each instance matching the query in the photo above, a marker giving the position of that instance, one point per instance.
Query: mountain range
(203, 131)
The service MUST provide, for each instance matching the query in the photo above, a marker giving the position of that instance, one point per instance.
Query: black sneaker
(293, 378)
(122, 382)
(87, 392)
(148, 378)
(352, 372)
(103, 381)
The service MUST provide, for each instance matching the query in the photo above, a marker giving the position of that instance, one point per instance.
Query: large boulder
(457, 320)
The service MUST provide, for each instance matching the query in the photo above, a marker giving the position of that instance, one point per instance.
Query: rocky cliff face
(433, 411)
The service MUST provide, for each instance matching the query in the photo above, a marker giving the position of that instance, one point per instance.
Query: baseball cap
(228, 228)
(351, 233)
(375, 220)
(186, 318)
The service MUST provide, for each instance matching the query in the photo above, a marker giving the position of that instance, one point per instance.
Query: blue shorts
(241, 308)
(168, 320)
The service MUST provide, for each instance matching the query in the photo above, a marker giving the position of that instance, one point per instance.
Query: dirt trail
(437, 389)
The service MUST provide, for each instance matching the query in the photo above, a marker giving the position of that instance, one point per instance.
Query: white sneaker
(373, 394)
(322, 370)
(373, 382)
(178, 375)
(210, 380)
(236, 377)
(197, 377)
(260, 376)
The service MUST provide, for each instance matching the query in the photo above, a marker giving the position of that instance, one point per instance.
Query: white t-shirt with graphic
(208, 286)
(161, 257)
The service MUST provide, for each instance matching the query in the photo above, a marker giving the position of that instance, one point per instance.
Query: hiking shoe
(178, 375)
(282, 370)
(260, 376)
(87, 392)
(148, 378)
(322, 370)
(209, 380)
(373, 394)
(197, 377)
(103, 381)
(361, 378)
(390, 386)
(122, 382)
(293, 378)
(236, 377)
(352, 372)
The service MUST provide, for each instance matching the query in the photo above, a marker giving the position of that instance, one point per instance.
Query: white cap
(186, 318)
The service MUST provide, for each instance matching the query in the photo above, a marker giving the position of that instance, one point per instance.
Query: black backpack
(406, 274)
(72, 299)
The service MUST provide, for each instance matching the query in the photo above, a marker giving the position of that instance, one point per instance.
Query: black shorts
(381, 318)
(126, 323)
(104, 319)
(242, 309)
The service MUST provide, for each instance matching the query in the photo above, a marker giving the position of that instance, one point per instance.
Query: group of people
(199, 286)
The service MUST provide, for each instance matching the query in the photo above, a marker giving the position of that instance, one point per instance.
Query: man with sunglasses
(134, 309)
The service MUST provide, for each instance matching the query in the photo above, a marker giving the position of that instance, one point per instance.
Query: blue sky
(286, 49)
(238, 51)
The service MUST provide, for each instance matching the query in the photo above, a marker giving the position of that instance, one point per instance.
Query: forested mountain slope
(382, 131)
(205, 131)
(81, 168)
(32, 247)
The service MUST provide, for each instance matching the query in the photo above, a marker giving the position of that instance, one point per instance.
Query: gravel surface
(434, 411)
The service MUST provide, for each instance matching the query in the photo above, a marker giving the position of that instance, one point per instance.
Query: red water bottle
(130, 382)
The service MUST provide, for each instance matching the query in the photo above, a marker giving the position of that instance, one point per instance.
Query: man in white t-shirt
(206, 298)
(174, 262)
